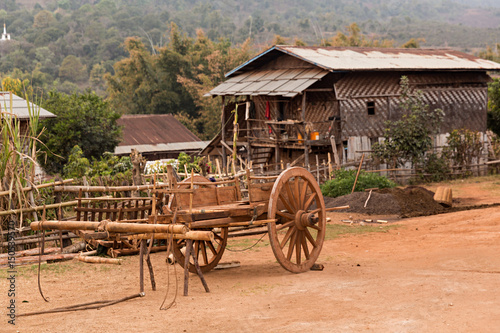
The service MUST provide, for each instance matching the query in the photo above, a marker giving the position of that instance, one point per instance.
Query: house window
(370, 106)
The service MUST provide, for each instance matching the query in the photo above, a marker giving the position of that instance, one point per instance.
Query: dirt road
(428, 274)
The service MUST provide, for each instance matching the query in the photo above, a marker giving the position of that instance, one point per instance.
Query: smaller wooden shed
(156, 136)
(22, 109)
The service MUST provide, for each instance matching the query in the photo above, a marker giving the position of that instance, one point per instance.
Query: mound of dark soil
(408, 202)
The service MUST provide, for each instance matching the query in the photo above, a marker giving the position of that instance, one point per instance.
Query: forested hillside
(70, 44)
(181, 48)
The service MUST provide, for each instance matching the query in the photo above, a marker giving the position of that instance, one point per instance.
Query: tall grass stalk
(17, 154)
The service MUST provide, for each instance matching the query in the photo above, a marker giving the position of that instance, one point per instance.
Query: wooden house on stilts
(294, 105)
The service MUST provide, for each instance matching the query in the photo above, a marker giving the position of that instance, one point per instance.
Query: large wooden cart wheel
(208, 253)
(297, 205)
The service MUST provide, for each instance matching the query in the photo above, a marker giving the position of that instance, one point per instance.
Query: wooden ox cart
(200, 214)
(291, 205)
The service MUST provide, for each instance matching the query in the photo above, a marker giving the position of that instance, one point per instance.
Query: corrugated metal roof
(289, 82)
(389, 59)
(353, 59)
(162, 147)
(20, 107)
(153, 129)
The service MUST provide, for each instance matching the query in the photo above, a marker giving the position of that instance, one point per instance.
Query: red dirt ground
(438, 273)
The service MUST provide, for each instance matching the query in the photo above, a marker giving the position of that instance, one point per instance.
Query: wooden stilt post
(329, 167)
(141, 265)
(198, 270)
(325, 170)
(306, 138)
(187, 255)
(317, 168)
(223, 134)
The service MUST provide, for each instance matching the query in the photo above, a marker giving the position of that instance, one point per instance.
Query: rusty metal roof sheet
(289, 82)
(354, 59)
(20, 107)
(388, 59)
(153, 129)
(162, 147)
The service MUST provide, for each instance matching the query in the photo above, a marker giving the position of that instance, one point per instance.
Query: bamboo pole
(99, 260)
(226, 222)
(336, 208)
(40, 208)
(37, 187)
(116, 227)
(194, 235)
(37, 239)
(357, 174)
(30, 252)
(35, 259)
(126, 252)
(106, 188)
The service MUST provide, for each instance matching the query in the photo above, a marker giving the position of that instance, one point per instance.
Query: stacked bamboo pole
(115, 227)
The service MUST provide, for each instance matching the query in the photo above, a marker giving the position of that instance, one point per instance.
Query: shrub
(435, 168)
(408, 139)
(344, 181)
(464, 148)
(108, 165)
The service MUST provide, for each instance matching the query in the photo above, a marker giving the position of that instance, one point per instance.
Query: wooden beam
(334, 150)
(223, 133)
(232, 152)
(306, 139)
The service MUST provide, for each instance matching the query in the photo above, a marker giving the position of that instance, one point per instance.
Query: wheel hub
(304, 219)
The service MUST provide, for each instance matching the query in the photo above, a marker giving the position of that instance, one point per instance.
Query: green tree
(408, 139)
(82, 119)
(72, 69)
(175, 78)
(355, 37)
(413, 43)
(147, 84)
(494, 106)
(43, 19)
(209, 61)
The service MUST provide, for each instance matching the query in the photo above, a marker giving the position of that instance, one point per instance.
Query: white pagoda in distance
(5, 35)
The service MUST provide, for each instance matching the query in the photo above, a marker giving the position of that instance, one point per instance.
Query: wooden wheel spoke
(211, 247)
(204, 252)
(315, 211)
(285, 215)
(297, 192)
(291, 246)
(303, 194)
(291, 199)
(285, 239)
(309, 201)
(216, 236)
(304, 246)
(310, 238)
(196, 249)
(285, 225)
(298, 244)
(315, 227)
(286, 204)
